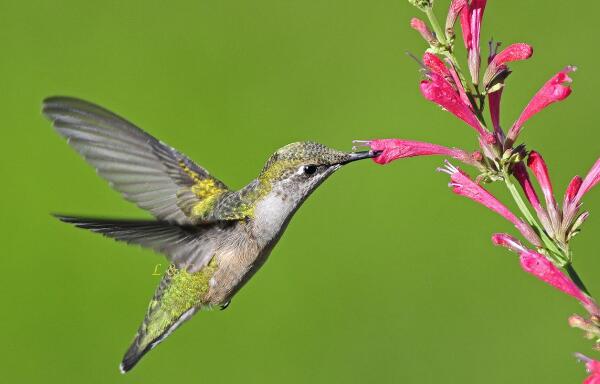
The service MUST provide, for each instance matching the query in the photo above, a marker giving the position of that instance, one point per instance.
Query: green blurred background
(383, 276)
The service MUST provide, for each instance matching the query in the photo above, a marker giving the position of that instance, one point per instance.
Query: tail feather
(185, 246)
(180, 293)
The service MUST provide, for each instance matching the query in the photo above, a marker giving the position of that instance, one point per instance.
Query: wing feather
(187, 247)
(143, 169)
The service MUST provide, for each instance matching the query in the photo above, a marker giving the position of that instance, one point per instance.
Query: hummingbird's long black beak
(360, 156)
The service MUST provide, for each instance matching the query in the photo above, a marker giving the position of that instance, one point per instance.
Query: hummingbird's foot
(224, 306)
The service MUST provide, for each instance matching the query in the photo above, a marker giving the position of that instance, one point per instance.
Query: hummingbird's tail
(180, 293)
(157, 325)
(177, 298)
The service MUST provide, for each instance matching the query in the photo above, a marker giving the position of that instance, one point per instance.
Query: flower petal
(455, 7)
(592, 367)
(538, 166)
(542, 268)
(470, 21)
(462, 185)
(508, 241)
(554, 90)
(572, 190)
(514, 52)
(420, 26)
(571, 207)
(439, 90)
(494, 102)
(435, 65)
(394, 149)
(520, 173)
(592, 178)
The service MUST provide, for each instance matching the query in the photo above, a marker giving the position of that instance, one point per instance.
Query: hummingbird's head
(299, 168)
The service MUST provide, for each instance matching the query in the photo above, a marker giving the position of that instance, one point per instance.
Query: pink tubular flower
(494, 103)
(538, 166)
(542, 268)
(592, 178)
(437, 89)
(420, 26)
(462, 185)
(458, 84)
(470, 21)
(554, 90)
(398, 149)
(508, 241)
(520, 173)
(455, 7)
(572, 190)
(435, 65)
(572, 205)
(514, 52)
(593, 368)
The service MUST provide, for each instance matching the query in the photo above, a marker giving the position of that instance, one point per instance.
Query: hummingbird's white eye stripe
(300, 170)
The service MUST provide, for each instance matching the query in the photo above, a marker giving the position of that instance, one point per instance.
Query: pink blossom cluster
(554, 223)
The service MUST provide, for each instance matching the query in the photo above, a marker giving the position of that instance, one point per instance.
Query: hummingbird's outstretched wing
(145, 170)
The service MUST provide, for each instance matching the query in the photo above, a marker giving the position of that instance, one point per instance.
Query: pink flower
(572, 190)
(470, 21)
(494, 103)
(554, 90)
(538, 167)
(592, 178)
(398, 149)
(420, 26)
(458, 85)
(437, 89)
(435, 65)
(520, 173)
(508, 241)
(514, 52)
(455, 7)
(572, 204)
(593, 368)
(462, 185)
(542, 268)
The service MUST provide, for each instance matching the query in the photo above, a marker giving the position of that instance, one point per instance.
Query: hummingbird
(214, 238)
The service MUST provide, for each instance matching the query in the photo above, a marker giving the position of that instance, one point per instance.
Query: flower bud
(423, 5)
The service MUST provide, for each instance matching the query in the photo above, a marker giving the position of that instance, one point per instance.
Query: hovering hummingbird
(215, 238)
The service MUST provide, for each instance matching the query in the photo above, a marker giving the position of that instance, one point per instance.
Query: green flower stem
(439, 33)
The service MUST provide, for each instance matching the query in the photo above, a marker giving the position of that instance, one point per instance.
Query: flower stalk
(549, 227)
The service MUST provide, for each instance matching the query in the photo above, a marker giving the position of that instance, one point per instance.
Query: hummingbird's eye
(310, 169)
